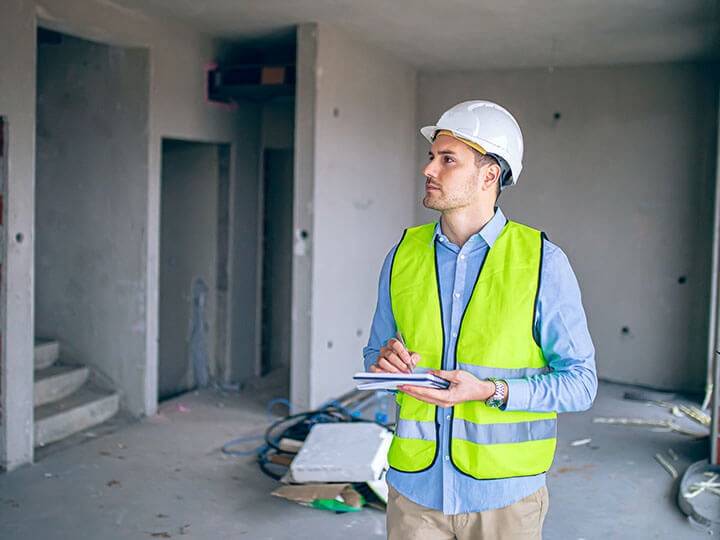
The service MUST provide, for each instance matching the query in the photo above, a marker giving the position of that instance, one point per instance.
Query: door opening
(193, 264)
(277, 261)
(91, 187)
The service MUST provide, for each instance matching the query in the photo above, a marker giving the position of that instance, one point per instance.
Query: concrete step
(87, 407)
(47, 351)
(58, 381)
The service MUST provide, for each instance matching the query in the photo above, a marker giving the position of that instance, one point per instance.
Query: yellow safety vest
(495, 340)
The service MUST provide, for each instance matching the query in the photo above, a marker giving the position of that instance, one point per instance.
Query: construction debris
(665, 424)
(698, 487)
(581, 442)
(698, 496)
(342, 452)
(333, 458)
(701, 417)
(698, 414)
(666, 465)
(335, 497)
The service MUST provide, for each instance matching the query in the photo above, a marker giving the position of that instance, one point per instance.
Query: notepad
(366, 380)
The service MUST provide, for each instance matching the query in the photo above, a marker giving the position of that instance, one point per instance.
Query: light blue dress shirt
(563, 335)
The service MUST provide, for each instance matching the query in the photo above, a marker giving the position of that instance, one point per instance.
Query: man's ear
(491, 177)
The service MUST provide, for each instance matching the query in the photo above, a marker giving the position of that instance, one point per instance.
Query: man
(493, 307)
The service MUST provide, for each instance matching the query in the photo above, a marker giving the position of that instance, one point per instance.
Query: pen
(400, 338)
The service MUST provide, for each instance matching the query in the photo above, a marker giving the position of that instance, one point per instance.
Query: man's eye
(448, 159)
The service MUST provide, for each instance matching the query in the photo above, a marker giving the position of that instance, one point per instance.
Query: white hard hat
(488, 125)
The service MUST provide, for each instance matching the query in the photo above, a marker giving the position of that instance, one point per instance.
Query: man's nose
(429, 169)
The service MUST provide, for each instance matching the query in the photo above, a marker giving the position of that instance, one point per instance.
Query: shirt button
(454, 334)
(447, 458)
(447, 417)
(462, 256)
(457, 295)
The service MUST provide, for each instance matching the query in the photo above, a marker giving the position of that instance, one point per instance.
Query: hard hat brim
(429, 132)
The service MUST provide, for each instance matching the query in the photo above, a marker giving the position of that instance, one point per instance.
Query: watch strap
(498, 397)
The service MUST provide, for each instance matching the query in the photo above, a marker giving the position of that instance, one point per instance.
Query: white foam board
(342, 452)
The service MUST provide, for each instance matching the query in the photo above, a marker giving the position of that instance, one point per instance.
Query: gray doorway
(193, 264)
(3, 405)
(91, 207)
(277, 261)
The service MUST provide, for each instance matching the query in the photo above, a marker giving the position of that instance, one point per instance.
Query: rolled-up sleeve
(562, 330)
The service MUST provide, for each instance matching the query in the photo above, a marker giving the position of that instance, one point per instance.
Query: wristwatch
(497, 399)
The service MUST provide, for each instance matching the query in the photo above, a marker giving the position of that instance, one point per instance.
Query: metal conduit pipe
(713, 377)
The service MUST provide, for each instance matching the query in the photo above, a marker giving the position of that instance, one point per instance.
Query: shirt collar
(489, 232)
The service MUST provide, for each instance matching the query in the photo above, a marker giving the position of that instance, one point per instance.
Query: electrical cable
(226, 447)
(283, 401)
(295, 426)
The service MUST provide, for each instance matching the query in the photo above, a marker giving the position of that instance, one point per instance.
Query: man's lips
(430, 186)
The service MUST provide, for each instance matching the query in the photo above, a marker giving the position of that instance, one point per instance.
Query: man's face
(452, 179)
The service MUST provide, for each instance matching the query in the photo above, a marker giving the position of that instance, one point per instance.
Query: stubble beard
(434, 200)
(441, 201)
(428, 203)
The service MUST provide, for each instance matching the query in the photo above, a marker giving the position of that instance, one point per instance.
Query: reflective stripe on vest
(485, 372)
(495, 340)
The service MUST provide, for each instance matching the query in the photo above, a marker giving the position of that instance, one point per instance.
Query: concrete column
(17, 105)
(302, 266)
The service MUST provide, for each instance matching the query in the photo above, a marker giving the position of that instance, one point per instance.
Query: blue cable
(226, 447)
(268, 410)
(260, 449)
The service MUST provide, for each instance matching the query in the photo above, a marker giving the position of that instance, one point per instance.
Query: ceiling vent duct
(250, 82)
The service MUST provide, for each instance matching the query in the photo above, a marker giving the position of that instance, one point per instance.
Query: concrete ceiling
(475, 34)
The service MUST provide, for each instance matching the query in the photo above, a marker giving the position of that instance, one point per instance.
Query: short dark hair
(485, 159)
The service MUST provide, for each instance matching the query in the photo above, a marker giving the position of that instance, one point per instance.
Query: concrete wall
(623, 181)
(362, 196)
(244, 248)
(91, 183)
(17, 105)
(177, 108)
(278, 124)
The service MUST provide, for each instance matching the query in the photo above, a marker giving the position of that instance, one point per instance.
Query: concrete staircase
(66, 400)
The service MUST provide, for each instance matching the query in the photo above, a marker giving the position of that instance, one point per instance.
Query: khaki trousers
(522, 520)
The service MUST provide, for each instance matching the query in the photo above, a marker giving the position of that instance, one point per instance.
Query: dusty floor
(166, 477)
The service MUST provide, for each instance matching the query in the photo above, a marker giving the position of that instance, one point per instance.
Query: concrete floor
(166, 477)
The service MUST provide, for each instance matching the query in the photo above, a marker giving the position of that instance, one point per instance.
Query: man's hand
(464, 387)
(395, 358)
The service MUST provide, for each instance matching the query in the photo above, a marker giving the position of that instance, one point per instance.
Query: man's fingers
(399, 349)
(449, 375)
(428, 395)
(386, 364)
(393, 359)
(414, 360)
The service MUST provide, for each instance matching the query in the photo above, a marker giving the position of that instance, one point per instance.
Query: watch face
(494, 402)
